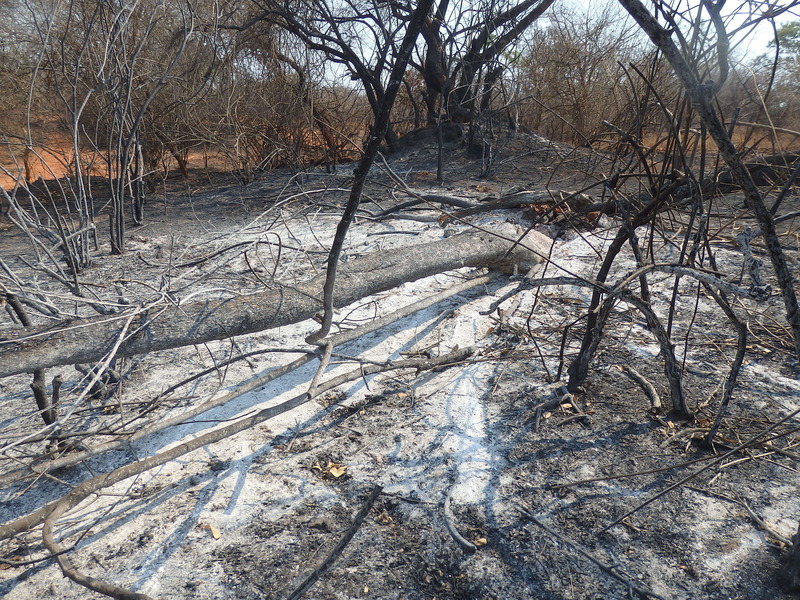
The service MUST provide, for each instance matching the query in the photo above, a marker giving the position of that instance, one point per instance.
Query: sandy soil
(484, 492)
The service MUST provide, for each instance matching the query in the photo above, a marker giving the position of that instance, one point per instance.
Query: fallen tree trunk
(169, 326)
(144, 430)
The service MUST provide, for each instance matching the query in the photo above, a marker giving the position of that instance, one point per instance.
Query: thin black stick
(610, 570)
(312, 577)
(691, 476)
(736, 365)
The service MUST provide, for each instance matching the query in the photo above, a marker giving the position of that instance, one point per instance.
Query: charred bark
(164, 327)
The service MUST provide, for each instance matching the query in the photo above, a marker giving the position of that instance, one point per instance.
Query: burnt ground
(468, 447)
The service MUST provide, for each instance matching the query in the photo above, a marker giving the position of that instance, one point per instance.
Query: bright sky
(758, 39)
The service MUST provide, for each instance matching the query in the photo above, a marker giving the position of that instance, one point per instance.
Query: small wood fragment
(656, 406)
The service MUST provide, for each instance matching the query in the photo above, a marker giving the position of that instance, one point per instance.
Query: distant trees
(111, 89)
(783, 68)
(571, 72)
(123, 89)
(93, 69)
(13, 81)
(116, 88)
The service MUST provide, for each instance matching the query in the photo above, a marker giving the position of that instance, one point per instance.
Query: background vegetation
(102, 88)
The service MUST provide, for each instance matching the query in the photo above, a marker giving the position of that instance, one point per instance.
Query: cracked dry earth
(494, 484)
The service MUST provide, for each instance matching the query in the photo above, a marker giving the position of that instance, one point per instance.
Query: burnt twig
(312, 577)
(648, 388)
(459, 539)
(608, 569)
(694, 474)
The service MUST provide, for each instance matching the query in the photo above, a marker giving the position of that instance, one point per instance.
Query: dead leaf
(213, 529)
(337, 470)
(6, 566)
(547, 415)
(481, 541)
(385, 518)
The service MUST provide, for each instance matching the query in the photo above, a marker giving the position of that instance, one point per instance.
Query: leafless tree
(460, 52)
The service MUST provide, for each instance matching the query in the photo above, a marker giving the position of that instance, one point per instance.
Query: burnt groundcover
(531, 478)
(702, 540)
(699, 541)
(395, 554)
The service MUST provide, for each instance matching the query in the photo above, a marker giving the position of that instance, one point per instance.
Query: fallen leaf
(213, 529)
(384, 518)
(337, 470)
(481, 541)
(547, 415)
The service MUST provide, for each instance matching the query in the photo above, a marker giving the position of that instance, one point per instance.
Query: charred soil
(495, 482)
